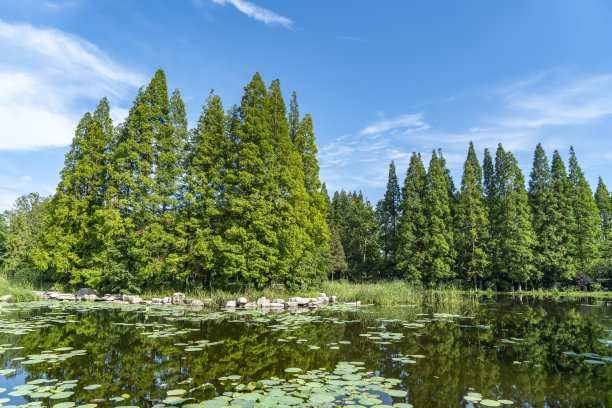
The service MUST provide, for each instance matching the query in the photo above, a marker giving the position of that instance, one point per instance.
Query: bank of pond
(497, 350)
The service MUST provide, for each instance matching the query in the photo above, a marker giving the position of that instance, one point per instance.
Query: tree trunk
(475, 284)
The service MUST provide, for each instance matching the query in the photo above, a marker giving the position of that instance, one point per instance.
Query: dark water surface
(531, 352)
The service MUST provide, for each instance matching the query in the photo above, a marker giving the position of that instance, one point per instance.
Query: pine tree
(472, 223)
(586, 218)
(562, 265)
(512, 221)
(438, 235)
(540, 200)
(202, 191)
(604, 204)
(411, 251)
(69, 246)
(388, 214)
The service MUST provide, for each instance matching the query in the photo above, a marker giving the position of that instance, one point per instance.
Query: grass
(20, 291)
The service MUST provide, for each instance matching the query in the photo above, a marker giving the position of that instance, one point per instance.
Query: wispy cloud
(404, 123)
(549, 99)
(45, 75)
(257, 13)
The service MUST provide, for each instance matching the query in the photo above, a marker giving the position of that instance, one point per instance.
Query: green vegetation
(236, 202)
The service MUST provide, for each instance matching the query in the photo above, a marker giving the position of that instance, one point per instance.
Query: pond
(500, 351)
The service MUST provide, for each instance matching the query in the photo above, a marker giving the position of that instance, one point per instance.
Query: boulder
(278, 300)
(241, 301)
(300, 300)
(135, 300)
(230, 303)
(148, 302)
(322, 294)
(178, 298)
(251, 305)
(263, 302)
(156, 301)
(333, 299)
(85, 292)
(5, 298)
(167, 300)
(276, 305)
(291, 305)
(196, 302)
(108, 298)
(89, 298)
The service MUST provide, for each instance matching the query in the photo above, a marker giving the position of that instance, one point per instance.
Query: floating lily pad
(490, 403)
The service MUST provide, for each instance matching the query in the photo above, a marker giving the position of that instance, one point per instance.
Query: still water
(500, 351)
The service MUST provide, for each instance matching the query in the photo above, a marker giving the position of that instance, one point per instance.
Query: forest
(237, 201)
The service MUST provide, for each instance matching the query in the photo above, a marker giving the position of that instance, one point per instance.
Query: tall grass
(19, 290)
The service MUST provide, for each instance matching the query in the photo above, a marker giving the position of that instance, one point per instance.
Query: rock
(86, 291)
(278, 300)
(276, 305)
(241, 301)
(135, 300)
(108, 298)
(333, 299)
(5, 298)
(251, 305)
(322, 294)
(178, 298)
(291, 305)
(263, 302)
(89, 298)
(156, 301)
(125, 298)
(196, 302)
(167, 300)
(301, 301)
(39, 293)
(230, 303)
(148, 302)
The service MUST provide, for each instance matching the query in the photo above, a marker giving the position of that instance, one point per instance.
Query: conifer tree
(604, 204)
(562, 265)
(472, 223)
(586, 218)
(203, 189)
(512, 221)
(540, 200)
(438, 234)
(388, 213)
(411, 247)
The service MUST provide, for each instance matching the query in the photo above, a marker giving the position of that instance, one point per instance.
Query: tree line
(237, 200)
(150, 201)
(493, 230)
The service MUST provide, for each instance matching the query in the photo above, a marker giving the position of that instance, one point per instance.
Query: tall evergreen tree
(438, 234)
(586, 218)
(472, 223)
(388, 213)
(604, 204)
(512, 221)
(540, 200)
(561, 263)
(410, 256)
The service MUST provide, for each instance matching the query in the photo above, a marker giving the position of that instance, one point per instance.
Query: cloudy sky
(381, 79)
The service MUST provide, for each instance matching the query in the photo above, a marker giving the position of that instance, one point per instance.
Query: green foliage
(438, 235)
(471, 222)
(388, 213)
(604, 205)
(410, 256)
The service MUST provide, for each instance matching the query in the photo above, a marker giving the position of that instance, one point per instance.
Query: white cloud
(550, 99)
(406, 123)
(257, 13)
(45, 77)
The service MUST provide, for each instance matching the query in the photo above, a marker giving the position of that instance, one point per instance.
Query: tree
(411, 226)
(540, 200)
(201, 223)
(472, 223)
(586, 218)
(20, 229)
(388, 213)
(438, 234)
(512, 221)
(604, 204)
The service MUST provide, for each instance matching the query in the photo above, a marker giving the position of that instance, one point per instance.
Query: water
(534, 353)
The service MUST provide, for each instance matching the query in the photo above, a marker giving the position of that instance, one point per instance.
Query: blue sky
(381, 79)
